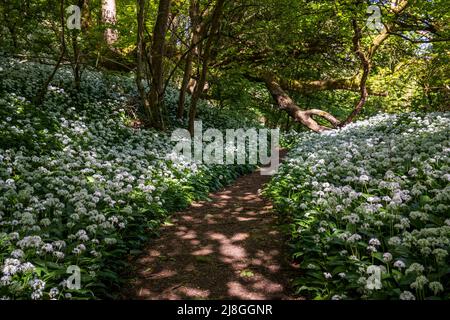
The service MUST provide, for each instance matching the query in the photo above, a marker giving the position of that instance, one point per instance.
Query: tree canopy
(315, 54)
(117, 115)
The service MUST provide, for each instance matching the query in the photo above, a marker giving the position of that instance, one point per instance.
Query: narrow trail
(227, 248)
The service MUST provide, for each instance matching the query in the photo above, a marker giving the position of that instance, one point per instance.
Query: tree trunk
(366, 70)
(304, 117)
(215, 24)
(76, 65)
(366, 58)
(76, 62)
(193, 51)
(109, 17)
(173, 42)
(140, 61)
(40, 96)
(155, 97)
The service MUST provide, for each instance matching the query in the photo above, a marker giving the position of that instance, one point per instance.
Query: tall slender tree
(155, 96)
(194, 17)
(206, 55)
(109, 16)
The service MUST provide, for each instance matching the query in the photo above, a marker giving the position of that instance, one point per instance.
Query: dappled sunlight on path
(226, 248)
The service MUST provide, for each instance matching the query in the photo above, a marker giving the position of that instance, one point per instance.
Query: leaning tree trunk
(287, 104)
(155, 96)
(304, 117)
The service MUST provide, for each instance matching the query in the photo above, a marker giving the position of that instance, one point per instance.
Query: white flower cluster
(382, 187)
(75, 179)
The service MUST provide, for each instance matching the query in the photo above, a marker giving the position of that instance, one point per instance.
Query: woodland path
(227, 248)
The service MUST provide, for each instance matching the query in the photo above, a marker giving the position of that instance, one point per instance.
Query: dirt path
(227, 248)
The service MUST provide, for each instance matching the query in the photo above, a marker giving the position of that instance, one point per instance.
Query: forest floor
(230, 247)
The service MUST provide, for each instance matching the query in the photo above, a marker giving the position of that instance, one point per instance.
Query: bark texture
(109, 16)
(215, 25)
(40, 96)
(194, 15)
(286, 104)
(140, 61)
(155, 96)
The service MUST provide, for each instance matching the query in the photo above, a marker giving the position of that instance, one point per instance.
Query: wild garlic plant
(79, 187)
(373, 194)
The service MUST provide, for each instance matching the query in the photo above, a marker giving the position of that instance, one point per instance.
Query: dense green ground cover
(368, 208)
(78, 186)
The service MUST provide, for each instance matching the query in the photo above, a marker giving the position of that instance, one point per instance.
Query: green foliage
(80, 187)
(373, 196)
(79, 168)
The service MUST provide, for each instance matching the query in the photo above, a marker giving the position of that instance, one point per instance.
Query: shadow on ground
(227, 248)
